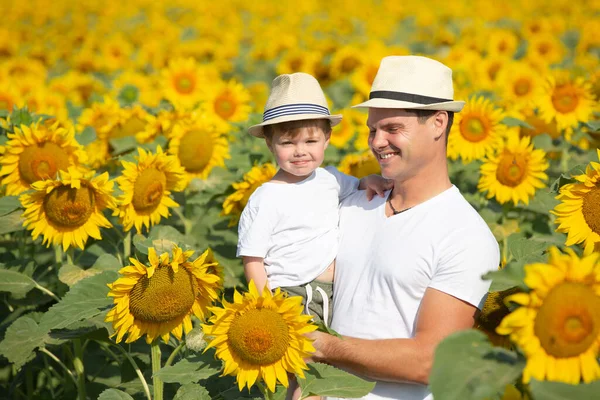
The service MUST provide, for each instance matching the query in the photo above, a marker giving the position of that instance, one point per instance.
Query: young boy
(288, 231)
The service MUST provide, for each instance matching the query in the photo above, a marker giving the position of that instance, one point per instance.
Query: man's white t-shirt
(385, 264)
(294, 226)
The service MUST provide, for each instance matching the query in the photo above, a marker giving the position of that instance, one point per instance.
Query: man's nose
(378, 139)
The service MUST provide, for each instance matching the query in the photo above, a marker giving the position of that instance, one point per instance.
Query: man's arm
(254, 269)
(399, 360)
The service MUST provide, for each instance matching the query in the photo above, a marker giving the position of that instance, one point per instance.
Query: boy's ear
(327, 137)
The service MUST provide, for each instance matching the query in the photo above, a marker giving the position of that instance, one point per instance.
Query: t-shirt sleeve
(348, 184)
(461, 264)
(254, 231)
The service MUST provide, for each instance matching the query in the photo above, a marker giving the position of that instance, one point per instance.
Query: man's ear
(440, 122)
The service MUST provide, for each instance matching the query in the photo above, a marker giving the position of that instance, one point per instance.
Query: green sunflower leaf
(512, 275)
(11, 222)
(483, 372)
(9, 204)
(15, 282)
(524, 249)
(511, 121)
(87, 136)
(559, 391)
(326, 380)
(593, 125)
(114, 394)
(71, 274)
(192, 391)
(190, 370)
(21, 339)
(543, 202)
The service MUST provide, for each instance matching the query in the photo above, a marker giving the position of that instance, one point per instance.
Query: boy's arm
(375, 184)
(254, 269)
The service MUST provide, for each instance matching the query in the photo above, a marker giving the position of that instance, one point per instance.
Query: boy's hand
(375, 184)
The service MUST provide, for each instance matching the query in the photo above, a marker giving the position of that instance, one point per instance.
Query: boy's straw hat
(294, 97)
(412, 82)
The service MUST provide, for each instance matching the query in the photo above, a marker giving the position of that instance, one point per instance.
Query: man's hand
(375, 184)
(320, 342)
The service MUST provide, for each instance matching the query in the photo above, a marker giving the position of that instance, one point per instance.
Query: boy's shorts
(319, 296)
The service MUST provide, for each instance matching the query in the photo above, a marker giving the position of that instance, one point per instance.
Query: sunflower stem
(47, 291)
(133, 364)
(79, 369)
(63, 366)
(127, 246)
(58, 255)
(158, 383)
(69, 254)
(174, 353)
(265, 391)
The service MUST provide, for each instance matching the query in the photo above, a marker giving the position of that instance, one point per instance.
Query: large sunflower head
(514, 172)
(578, 214)
(37, 152)
(200, 146)
(359, 165)
(261, 336)
(229, 101)
(159, 299)
(558, 322)
(234, 203)
(567, 100)
(477, 131)
(68, 210)
(146, 188)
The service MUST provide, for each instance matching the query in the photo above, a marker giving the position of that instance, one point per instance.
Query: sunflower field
(125, 164)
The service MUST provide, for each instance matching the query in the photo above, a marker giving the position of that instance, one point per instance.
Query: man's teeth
(384, 156)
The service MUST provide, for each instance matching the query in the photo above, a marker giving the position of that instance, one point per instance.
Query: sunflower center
(565, 99)
(196, 150)
(184, 84)
(511, 169)
(591, 209)
(522, 87)
(69, 207)
(225, 106)
(42, 162)
(473, 129)
(5, 103)
(259, 336)
(166, 296)
(148, 190)
(568, 321)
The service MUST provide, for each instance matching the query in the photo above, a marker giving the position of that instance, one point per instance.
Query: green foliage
(11, 222)
(9, 204)
(15, 282)
(326, 380)
(192, 391)
(467, 367)
(114, 394)
(22, 337)
(191, 370)
(542, 390)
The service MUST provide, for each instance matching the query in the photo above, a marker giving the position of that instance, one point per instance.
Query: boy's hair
(291, 127)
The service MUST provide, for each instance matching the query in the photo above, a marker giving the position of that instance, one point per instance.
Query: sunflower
(184, 82)
(519, 85)
(545, 48)
(36, 152)
(68, 210)
(359, 165)
(515, 172)
(477, 131)
(363, 77)
(146, 188)
(261, 337)
(558, 323)
(132, 122)
(298, 60)
(234, 203)
(345, 61)
(159, 299)
(539, 127)
(200, 146)
(566, 100)
(102, 116)
(578, 214)
(503, 43)
(229, 101)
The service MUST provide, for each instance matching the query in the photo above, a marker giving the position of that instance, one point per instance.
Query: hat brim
(257, 130)
(454, 106)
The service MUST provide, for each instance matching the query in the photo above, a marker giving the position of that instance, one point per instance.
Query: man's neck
(417, 189)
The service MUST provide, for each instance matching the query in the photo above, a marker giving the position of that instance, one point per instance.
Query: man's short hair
(290, 127)
(424, 115)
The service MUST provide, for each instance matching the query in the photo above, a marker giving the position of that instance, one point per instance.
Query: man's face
(401, 145)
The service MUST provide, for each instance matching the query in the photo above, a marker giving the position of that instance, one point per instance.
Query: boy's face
(300, 152)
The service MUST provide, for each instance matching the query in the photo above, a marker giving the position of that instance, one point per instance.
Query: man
(409, 266)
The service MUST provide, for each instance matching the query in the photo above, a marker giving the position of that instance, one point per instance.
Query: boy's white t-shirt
(294, 227)
(385, 264)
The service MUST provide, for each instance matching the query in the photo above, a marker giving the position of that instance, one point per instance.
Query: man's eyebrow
(398, 125)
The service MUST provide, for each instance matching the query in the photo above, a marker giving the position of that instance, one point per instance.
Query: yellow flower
(558, 324)
(545, 48)
(234, 203)
(102, 116)
(159, 299)
(539, 127)
(35, 152)
(184, 82)
(68, 210)
(519, 86)
(132, 121)
(566, 100)
(145, 92)
(363, 76)
(298, 60)
(261, 336)
(8, 96)
(146, 188)
(578, 214)
(360, 165)
(502, 42)
(476, 131)
(345, 61)
(515, 172)
(229, 101)
(200, 146)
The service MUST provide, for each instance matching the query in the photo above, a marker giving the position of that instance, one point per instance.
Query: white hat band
(294, 109)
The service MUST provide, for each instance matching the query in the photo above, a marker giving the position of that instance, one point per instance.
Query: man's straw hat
(412, 82)
(294, 97)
